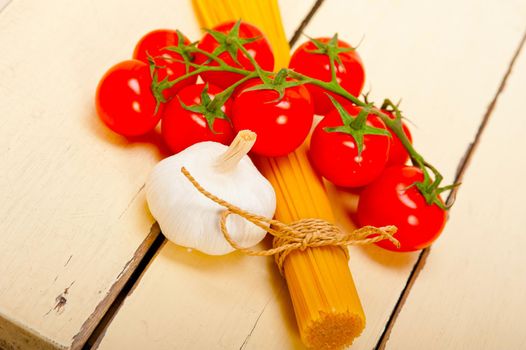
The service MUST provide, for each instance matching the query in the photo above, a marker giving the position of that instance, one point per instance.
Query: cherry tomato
(169, 63)
(124, 99)
(281, 125)
(391, 200)
(397, 153)
(182, 128)
(335, 154)
(350, 73)
(259, 49)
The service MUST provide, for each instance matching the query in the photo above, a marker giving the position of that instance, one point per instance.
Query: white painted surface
(471, 293)
(445, 59)
(435, 56)
(72, 211)
(437, 59)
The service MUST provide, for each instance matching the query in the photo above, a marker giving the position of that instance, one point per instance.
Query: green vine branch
(429, 187)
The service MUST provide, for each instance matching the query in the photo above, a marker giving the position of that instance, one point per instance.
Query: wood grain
(471, 292)
(446, 75)
(74, 221)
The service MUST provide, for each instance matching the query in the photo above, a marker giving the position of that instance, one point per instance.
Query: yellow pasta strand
(326, 304)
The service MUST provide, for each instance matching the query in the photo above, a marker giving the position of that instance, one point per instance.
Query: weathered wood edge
(93, 320)
(13, 335)
(463, 165)
(297, 34)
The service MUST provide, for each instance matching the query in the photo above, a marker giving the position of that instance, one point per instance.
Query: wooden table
(82, 262)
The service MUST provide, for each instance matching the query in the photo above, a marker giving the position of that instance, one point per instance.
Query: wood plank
(74, 223)
(398, 46)
(471, 291)
(293, 12)
(446, 75)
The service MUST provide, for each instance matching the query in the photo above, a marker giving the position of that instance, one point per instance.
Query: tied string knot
(299, 235)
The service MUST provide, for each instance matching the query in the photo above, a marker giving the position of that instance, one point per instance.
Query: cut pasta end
(333, 331)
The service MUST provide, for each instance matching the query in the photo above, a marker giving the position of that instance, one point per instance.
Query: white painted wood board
(435, 56)
(471, 293)
(293, 12)
(73, 212)
(437, 60)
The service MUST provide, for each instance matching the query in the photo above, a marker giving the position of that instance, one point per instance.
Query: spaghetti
(327, 307)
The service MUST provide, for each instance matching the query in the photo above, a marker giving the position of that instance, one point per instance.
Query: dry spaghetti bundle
(327, 307)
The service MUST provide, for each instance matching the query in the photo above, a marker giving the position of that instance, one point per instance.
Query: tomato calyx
(278, 83)
(209, 110)
(355, 126)
(182, 49)
(229, 42)
(332, 50)
(158, 87)
(430, 186)
(329, 48)
(430, 190)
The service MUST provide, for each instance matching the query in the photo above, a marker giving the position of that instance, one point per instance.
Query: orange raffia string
(327, 307)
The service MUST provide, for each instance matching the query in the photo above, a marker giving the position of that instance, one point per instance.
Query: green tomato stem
(429, 187)
(221, 98)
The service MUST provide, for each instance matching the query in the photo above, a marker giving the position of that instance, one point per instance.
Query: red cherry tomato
(182, 128)
(397, 153)
(260, 50)
(391, 200)
(281, 125)
(124, 100)
(169, 63)
(335, 154)
(350, 73)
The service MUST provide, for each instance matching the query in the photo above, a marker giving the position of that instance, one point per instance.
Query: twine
(301, 234)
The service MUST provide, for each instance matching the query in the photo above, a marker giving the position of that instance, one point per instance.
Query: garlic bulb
(187, 217)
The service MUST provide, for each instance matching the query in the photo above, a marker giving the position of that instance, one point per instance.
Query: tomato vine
(430, 186)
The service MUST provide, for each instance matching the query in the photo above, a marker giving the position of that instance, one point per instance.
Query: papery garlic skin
(188, 218)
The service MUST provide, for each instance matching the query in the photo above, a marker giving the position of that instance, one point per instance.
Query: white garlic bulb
(190, 219)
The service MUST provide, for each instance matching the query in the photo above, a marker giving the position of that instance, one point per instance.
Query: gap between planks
(463, 165)
(91, 325)
(92, 340)
(131, 282)
(305, 22)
